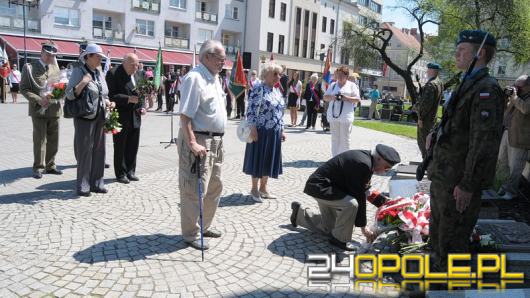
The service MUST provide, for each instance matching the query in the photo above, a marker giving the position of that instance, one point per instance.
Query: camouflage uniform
(465, 156)
(427, 108)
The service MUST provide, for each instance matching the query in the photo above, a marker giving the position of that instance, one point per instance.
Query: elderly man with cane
(202, 124)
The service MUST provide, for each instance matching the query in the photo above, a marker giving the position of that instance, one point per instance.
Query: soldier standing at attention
(427, 106)
(46, 124)
(465, 154)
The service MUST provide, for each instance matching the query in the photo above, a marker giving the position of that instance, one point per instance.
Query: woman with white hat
(89, 137)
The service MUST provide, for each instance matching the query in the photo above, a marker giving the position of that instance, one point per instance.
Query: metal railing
(207, 17)
(177, 42)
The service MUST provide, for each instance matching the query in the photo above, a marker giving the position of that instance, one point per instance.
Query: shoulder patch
(484, 95)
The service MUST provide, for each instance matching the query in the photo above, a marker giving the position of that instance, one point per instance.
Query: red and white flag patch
(484, 95)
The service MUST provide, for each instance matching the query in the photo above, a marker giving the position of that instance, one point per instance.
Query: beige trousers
(336, 217)
(511, 160)
(373, 111)
(211, 185)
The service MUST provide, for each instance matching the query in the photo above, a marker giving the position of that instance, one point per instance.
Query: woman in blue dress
(263, 157)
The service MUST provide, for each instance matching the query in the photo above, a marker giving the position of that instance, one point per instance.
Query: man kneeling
(339, 186)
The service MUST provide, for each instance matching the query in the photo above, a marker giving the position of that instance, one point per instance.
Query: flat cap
(49, 47)
(388, 153)
(476, 36)
(434, 65)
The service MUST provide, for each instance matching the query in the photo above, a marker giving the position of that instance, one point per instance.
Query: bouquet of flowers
(55, 89)
(112, 124)
(145, 89)
(410, 215)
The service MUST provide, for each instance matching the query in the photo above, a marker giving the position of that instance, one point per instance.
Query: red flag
(238, 80)
(385, 68)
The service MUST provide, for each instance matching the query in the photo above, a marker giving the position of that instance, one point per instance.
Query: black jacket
(120, 88)
(308, 94)
(348, 173)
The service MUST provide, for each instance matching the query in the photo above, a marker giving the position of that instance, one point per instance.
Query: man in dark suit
(171, 88)
(339, 186)
(122, 84)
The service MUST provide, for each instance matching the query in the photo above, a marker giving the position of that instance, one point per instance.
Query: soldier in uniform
(45, 125)
(465, 155)
(427, 105)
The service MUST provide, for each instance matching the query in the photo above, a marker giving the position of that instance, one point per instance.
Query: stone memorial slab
(407, 169)
(408, 187)
(513, 236)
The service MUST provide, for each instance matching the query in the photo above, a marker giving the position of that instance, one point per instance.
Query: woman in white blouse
(293, 100)
(14, 81)
(342, 96)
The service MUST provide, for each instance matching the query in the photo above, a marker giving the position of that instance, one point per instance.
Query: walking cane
(199, 185)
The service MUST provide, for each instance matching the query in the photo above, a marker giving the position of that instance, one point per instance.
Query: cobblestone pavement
(127, 243)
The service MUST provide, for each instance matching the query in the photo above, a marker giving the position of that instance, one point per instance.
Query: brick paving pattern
(127, 243)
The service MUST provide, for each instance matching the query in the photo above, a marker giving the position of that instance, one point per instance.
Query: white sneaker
(267, 195)
(255, 196)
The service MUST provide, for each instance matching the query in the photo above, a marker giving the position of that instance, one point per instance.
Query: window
(304, 48)
(101, 26)
(172, 31)
(283, 11)
(177, 4)
(332, 26)
(296, 46)
(298, 16)
(272, 7)
(306, 18)
(232, 12)
(204, 35)
(324, 24)
(66, 16)
(145, 27)
(363, 2)
(312, 49)
(270, 40)
(375, 7)
(501, 70)
(314, 22)
(281, 42)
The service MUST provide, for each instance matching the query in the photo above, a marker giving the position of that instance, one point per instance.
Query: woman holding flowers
(89, 138)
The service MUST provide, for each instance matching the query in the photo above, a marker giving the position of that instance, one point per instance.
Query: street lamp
(29, 4)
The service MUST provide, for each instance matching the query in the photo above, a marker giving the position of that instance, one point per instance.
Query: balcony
(146, 5)
(206, 17)
(107, 34)
(177, 42)
(17, 24)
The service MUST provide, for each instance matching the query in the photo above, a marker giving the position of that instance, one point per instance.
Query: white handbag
(243, 129)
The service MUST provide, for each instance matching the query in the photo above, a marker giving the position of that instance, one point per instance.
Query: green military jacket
(429, 101)
(31, 85)
(466, 152)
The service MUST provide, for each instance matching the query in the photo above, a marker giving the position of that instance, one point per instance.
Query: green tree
(507, 20)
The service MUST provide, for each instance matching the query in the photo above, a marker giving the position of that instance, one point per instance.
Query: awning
(116, 52)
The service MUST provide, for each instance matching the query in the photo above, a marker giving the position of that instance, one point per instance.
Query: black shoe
(37, 174)
(295, 206)
(212, 233)
(197, 244)
(107, 166)
(158, 110)
(342, 245)
(123, 180)
(54, 171)
(99, 190)
(133, 178)
(83, 193)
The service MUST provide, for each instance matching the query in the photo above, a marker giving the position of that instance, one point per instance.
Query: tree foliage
(507, 20)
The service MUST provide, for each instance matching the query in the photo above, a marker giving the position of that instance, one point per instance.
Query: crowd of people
(463, 156)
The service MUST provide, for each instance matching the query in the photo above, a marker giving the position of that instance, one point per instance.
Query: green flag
(158, 68)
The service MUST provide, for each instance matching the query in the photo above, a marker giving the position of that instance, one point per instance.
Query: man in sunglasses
(340, 187)
(515, 143)
(45, 125)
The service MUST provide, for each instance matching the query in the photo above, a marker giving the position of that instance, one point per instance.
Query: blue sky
(401, 17)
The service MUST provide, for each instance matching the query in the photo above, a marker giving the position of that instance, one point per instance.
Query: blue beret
(388, 153)
(476, 36)
(434, 65)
